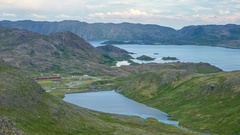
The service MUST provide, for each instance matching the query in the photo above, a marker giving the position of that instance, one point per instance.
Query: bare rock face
(9, 128)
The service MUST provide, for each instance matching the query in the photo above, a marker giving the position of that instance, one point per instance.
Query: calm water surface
(224, 58)
(115, 103)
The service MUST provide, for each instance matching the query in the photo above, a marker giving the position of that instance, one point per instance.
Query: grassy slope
(206, 103)
(25, 103)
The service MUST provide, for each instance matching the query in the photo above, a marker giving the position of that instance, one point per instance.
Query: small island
(169, 58)
(145, 57)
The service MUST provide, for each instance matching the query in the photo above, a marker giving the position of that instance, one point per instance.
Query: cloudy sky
(172, 13)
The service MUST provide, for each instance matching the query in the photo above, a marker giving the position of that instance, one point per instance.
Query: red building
(48, 77)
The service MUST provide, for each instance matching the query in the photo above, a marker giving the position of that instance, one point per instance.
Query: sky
(171, 13)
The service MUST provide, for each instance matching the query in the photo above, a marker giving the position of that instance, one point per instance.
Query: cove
(225, 58)
(115, 103)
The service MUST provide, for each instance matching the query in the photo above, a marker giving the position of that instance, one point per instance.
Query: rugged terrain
(114, 52)
(25, 108)
(213, 35)
(22, 48)
(55, 52)
(201, 97)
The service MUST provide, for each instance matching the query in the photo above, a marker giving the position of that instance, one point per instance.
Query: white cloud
(235, 1)
(129, 13)
(62, 16)
(39, 16)
(8, 14)
(66, 17)
(136, 12)
(200, 8)
(223, 12)
(164, 12)
(21, 4)
(121, 15)
(157, 11)
(212, 18)
(92, 7)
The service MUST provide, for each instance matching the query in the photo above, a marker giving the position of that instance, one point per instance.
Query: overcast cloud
(172, 13)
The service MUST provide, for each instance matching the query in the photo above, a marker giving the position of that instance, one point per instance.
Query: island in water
(145, 57)
(169, 58)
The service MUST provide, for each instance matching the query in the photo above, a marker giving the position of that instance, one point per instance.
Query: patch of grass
(35, 111)
(206, 103)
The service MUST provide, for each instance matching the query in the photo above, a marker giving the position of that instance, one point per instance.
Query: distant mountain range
(212, 35)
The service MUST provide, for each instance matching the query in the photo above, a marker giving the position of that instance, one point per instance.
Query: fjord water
(115, 103)
(225, 58)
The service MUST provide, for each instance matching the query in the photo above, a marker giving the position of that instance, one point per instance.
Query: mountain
(218, 35)
(39, 52)
(96, 31)
(212, 35)
(200, 97)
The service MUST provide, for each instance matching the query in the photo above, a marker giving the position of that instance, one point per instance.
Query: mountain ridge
(213, 35)
(23, 48)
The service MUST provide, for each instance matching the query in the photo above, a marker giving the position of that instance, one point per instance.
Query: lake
(225, 58)
(115, 103)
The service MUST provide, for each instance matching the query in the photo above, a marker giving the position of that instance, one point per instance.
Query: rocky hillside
(219, 35)
(203, 68)
(114, 52)
(206, 103)
(214, 35)
(56, 51)
(9, 128)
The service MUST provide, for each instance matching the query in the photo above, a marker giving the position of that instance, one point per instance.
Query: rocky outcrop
(145, 58)
(114, 52)
(7, 127)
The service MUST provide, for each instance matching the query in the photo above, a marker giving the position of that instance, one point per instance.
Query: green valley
(36, 111)
(202, 97)
(201, 102)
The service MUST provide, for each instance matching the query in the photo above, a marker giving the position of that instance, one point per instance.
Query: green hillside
(200, 102)
(25, 108)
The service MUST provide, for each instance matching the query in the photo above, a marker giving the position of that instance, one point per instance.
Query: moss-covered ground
(35, 111)
(200, 102)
